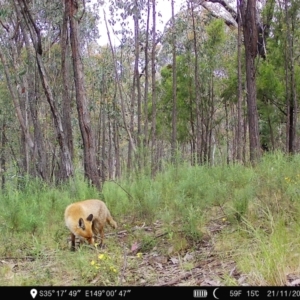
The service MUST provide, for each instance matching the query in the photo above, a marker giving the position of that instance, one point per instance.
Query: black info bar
(140, 292)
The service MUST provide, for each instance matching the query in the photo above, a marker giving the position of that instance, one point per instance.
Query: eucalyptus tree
(89, 152)
(7, 128)
(154, 91)
(138, 45)
(255, 32)
(210, 57)
(104, 107)
(45, 29)
(174, 87)
(291, 21)
(197, 145)
(10, 54)
(29, 16)
(278, 81)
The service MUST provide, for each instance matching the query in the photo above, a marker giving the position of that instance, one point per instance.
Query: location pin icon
(33, 293)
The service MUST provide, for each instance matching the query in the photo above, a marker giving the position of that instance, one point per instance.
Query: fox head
(85, 229)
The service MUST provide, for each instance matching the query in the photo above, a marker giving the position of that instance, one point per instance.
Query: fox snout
(90, 240)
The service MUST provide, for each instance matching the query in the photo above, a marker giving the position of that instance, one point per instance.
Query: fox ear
(81, 223)
(90, 218)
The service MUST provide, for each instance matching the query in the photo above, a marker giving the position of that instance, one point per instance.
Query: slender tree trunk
(239, 91)
(2, 155)
(103, 113)
(250, 41)
(89, 152)
(65, 71)
(135, 86)
(153, 79)
(197, 92)
(290, 82)
(146, 138)
(174, 89)
(137, 75)
(211, 118)
(110, 148)
(227, 131)
(115, 133)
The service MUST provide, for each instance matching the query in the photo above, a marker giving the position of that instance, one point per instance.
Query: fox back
(86, 219)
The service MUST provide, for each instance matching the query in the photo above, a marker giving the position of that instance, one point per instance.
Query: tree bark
(198, 126)
(291, 98)
(89, 153)
(174, 88)
(239, 145)
(2, 154)
(65, 71)
(146, 138)
(248, 14)
(154, 96)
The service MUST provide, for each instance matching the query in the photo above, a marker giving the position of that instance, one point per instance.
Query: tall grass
(260, 205)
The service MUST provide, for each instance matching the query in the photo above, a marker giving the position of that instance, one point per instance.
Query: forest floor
(153, 262)
(195, 266)
(143, 256)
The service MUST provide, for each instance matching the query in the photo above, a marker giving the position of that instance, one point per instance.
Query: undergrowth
(257, 207)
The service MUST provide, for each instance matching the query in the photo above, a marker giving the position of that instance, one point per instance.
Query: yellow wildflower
(101, 256)
(93, 262)
(139, 254)
(113, 269)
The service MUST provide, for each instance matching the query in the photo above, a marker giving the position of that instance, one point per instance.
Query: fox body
(86, 219)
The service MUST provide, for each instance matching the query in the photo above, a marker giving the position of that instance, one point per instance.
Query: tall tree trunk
(211, 110)
(65, 71)
(174, 88)
(250, 41)
(227, 131)
(135, 87)
(136, 73)
(197, 90)
(239, 91)
(89, 152)
(146, 138)
(153, 79)
(291, 97)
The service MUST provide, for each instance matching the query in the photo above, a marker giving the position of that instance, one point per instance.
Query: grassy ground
(224, 225)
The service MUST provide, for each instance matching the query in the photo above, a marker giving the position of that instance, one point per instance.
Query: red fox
(86, 219)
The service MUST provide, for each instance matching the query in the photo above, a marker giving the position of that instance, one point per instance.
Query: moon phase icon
(214, 293)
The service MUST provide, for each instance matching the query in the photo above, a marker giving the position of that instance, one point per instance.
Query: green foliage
(216, 36)
(257, 207)
(210, 60)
